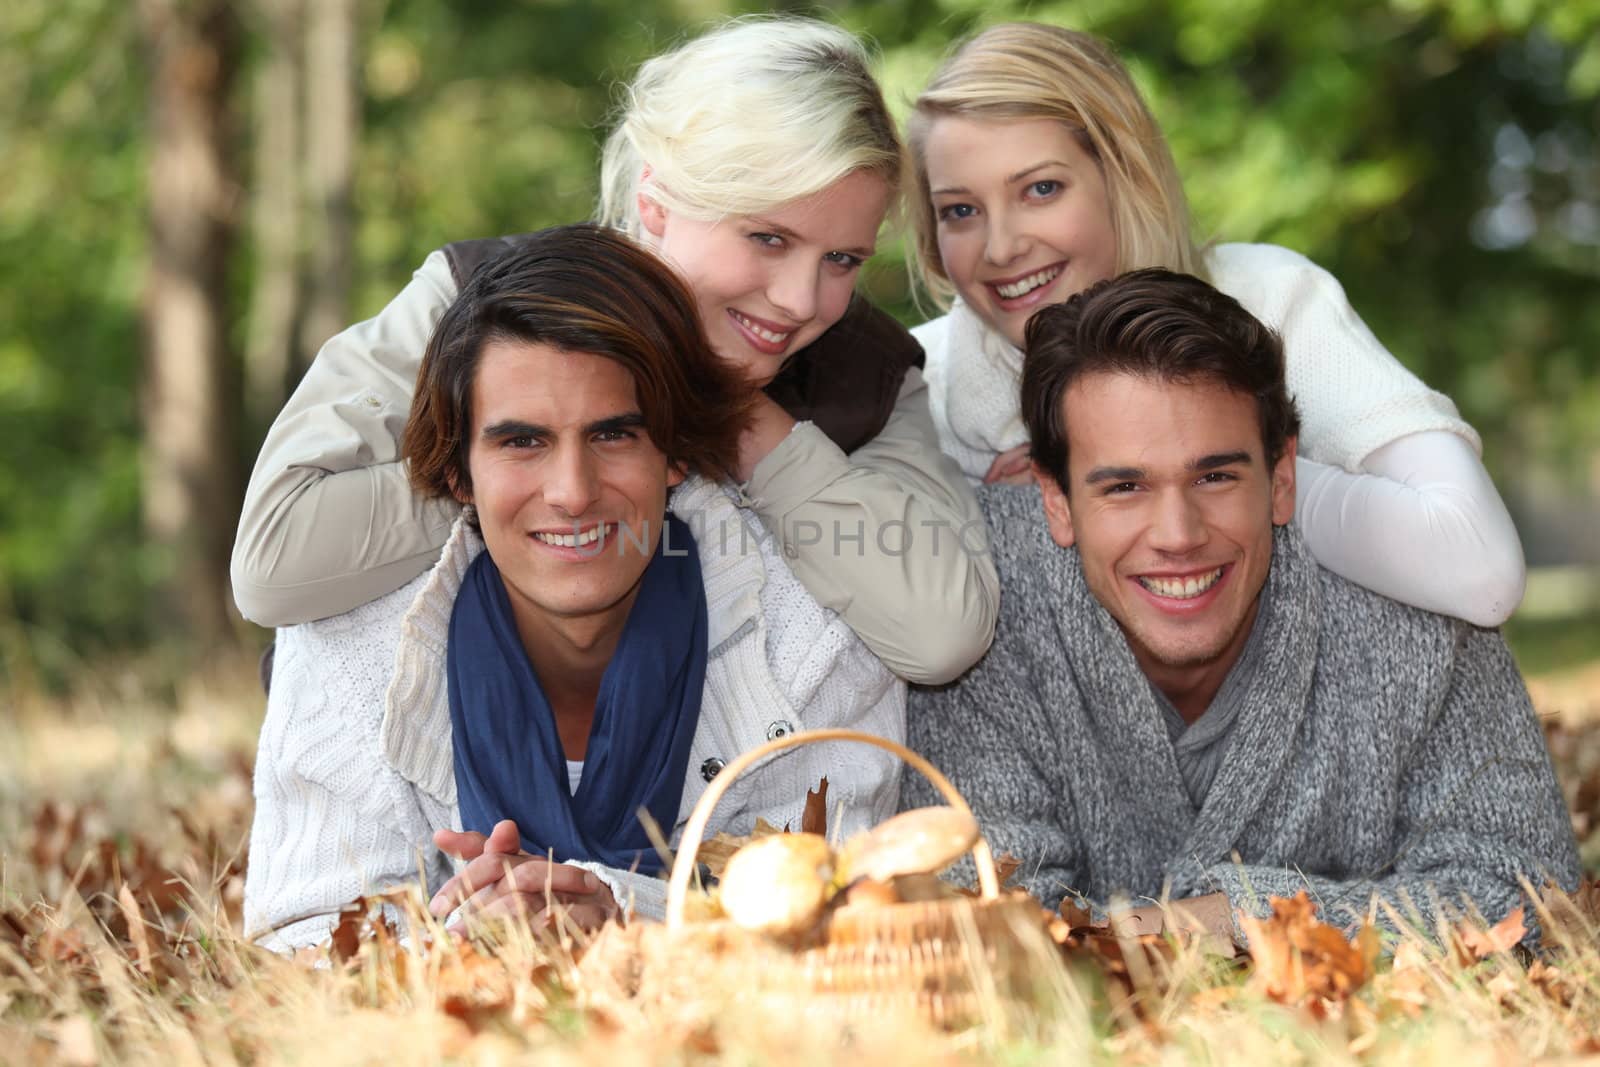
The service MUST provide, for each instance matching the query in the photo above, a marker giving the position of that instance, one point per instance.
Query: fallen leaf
(136, 930)
(814, 819)
(1303, 961)
(1476, 944)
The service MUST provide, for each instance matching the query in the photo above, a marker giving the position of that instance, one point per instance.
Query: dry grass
(124, 817)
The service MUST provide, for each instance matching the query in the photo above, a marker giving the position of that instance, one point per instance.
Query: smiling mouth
(1182, 588)
(575, 540)
(1023, 286)
(772, 337)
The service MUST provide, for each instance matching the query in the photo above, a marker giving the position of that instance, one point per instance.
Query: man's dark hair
(580, 289)
(1154, 324)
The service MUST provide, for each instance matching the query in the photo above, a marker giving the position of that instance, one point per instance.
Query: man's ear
(652, 216)
(1056, 509)
(676, 473)
(1283, 485)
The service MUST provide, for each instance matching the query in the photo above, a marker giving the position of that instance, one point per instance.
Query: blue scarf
(509, 761)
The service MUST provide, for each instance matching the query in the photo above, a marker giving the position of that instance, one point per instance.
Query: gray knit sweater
(1379, 749)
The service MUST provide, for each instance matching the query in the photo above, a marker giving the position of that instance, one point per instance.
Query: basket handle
(694, 831)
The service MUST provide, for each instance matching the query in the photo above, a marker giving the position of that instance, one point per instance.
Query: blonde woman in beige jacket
(767, 208)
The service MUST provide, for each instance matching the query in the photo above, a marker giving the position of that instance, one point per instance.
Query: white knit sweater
(1353, 395)
(355, 769)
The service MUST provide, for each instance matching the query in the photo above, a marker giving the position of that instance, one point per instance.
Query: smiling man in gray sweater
(1179, 700)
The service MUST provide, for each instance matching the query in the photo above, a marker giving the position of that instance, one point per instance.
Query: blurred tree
(191, 386)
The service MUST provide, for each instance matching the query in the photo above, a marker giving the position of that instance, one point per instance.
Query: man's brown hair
(590, 290)
(1153, 324)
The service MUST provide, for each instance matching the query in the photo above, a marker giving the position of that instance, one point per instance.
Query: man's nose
(1179, 525)
(573, 481)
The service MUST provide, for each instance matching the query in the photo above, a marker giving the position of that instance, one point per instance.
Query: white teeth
(1181, 588)
(1023, 287)
(588, 537)
(761, 331)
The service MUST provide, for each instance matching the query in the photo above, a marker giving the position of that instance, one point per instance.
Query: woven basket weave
(953, 961)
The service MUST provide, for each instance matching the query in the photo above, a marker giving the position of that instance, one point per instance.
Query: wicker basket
(953, 961)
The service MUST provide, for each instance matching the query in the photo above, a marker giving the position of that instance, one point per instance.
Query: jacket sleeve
(329, 519)
(1480, 811)
(889, 536)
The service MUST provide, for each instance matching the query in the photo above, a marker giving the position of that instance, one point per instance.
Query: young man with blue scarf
(604, 630)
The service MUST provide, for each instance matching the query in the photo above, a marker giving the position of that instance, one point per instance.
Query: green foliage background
(1439, 156)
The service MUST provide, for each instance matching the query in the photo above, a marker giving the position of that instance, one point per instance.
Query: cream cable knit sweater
(355, 769)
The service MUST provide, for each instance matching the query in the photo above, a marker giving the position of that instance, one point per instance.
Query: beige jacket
(888, 536)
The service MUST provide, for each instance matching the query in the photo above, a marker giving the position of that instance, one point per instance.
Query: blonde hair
(1027, 70)
(756, 113)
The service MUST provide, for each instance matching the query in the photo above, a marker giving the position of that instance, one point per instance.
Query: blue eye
(845, 260)
(956, 212)
(767, 240)
(1044, 188)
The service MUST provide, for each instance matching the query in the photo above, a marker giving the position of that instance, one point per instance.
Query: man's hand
(500, 881)
(1011, 467)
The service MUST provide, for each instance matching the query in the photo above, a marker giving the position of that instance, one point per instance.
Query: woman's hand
(769, 425)
(501, 881)
(1011, 467)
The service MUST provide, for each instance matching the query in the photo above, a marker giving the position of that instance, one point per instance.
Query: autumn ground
(123, 815)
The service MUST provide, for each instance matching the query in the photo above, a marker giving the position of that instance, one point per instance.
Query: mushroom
(778, 885)
(922, 841)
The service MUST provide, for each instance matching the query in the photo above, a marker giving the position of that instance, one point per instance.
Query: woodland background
(194, 194)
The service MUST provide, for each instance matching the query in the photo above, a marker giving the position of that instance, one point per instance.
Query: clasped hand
(501, 881)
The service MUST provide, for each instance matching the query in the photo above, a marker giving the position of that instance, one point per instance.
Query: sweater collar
(1121, 706)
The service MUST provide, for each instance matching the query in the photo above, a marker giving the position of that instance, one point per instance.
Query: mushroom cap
(779, 884)
(921, 841)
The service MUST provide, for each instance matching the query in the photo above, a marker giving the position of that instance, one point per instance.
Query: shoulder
(1382, 640)
(1033, 569)
(1267, 279)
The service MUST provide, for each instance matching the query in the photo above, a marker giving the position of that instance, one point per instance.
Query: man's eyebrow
(779, 229)
(514, 428)
(1220, 459)
(633, 420)
(1114, 474)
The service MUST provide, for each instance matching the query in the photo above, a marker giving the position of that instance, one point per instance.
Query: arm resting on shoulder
(1423, 525)
(1480, 811)
(329, 519)
(888, 536)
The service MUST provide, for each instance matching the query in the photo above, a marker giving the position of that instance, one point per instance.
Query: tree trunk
(272, 356)
(332, 128)
(190, 394)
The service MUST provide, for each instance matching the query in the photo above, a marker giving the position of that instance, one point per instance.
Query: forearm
(1423, 525)
(329, 519)
(889, 536)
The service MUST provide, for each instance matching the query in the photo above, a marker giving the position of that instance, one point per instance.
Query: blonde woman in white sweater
(1040, 171)
(605, 628)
